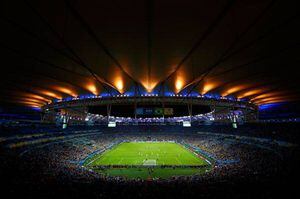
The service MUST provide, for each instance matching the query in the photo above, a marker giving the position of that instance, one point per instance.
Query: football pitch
(148, 160)
(147, 154)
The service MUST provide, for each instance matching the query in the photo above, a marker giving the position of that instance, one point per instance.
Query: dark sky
(60, 48)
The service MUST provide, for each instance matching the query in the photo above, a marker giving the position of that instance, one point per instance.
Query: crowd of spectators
(236, 157)
(231, 156)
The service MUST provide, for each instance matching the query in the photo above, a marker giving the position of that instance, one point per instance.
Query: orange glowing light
(33, 100)
(119, 85)
(265, 95)
(31, 103)
(263, 100)
(66, 91)
(249, 93)
(208, 87)
(34, 106)
(92, 88)
(272, 101)
(178, 84)
(149, 86)
(51, 94)
(232, 90)
(261, 96)
(270, 94)
(33, 96)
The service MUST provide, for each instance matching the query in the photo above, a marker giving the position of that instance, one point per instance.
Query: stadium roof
(61, 48)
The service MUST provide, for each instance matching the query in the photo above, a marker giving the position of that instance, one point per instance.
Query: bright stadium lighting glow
(65, 90)
(51, 94)
(119, 84)
(148, 85)
(178, 84)
(232, 90)
(249, 93)
(92, 88)
(208, 87)
(37, 97)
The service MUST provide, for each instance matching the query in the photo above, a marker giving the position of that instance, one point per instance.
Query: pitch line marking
(94, 160)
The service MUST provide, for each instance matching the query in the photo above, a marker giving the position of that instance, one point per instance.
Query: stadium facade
(149, 99)
(181, 108)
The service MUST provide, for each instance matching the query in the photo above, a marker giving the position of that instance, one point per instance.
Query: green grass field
(147, 153)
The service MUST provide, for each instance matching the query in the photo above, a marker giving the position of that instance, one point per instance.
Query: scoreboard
(154, 111)
(148, 111)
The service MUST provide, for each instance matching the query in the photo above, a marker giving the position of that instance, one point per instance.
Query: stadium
(149, 99)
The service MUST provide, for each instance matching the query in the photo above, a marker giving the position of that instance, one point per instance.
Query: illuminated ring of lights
(149, 99)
